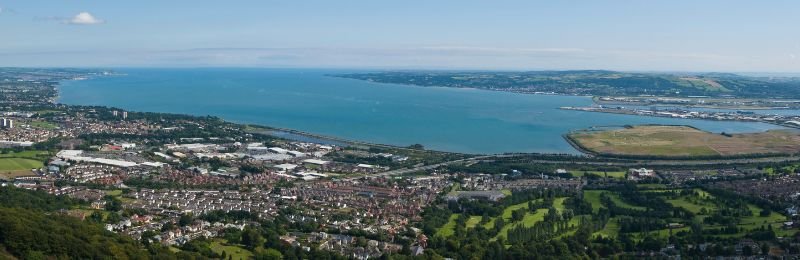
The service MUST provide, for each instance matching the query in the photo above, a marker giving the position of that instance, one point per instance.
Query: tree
(96, 216)
(185, 220)
(268, 254)
(251, 238)
(113, 204)
(417, 147)
(113, 217)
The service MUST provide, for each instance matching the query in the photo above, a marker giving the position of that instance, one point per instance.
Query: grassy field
(610, 230)
(114, 192)
(43, 125)
(620, 203)
(755, 221)
(218, 246)
(528, 221)
(15, 167)
(593, 197)
(694, 204)
(685, 141)
(694, 207)
(613, 175)
(449, 228)
(473, 221)
(33, 154)
(15, 164)
(530, 218)
(785, 169)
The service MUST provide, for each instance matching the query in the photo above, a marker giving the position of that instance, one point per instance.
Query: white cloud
(84, 18)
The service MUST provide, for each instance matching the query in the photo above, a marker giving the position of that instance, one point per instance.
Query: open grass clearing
(610, 230)
(621, 203)
(30, 154)
(15, 167)
(114, 192)
(449, 228)
(473, 221)
(593, 197)
(527, 221)
(655, 140)
(43, 125)
(235, 252)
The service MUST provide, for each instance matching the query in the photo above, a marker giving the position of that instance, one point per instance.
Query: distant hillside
(598, 82)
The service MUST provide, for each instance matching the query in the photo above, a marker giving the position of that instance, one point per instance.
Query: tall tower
(124, 114)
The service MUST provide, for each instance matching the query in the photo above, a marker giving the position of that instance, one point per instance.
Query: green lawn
(574, 222)
(114, 192)
(593, 197)
(756, 220)
(43, 125)
(694, 203)
(473, 221)
(748, 223)
(662, 233)
(507, 211)
(528, 221)
(610, 230)
(449, 228)
(32, 154)
(694, 207)
(19, 164)
(619, 202)
(218, 246)
(530, 218)
(558, 204)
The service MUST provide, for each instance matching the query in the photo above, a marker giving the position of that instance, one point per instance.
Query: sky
(674, 35)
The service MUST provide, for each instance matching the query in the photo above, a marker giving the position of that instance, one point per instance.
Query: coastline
(628, 112)
(530, 145)
(267, 129)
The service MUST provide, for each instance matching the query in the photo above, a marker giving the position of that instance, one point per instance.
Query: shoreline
(594, 97)
(338, 139)
(633, 113)
(311, 135)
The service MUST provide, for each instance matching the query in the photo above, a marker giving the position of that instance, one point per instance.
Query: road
(421, 168)
(617, 163)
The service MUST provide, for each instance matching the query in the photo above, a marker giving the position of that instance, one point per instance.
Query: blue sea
(447, 119)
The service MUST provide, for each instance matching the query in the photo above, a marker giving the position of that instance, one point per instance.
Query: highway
(421, 168)
(648, 163)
